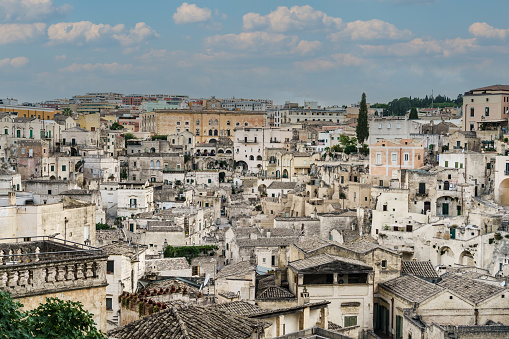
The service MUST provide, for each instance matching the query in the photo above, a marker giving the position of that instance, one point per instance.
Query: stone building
(486, 107)
(125, 266)
(207, 125)
(35, 268)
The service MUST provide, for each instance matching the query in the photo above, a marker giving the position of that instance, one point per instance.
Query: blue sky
(329, 51)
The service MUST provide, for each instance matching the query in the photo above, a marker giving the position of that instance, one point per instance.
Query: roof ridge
(181, 322)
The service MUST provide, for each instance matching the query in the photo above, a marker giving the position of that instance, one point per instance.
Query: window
(350, 320)
(394, 157)
(388, 126)
(196, 270)
(384, 263)
(109, 304)
(198, 122)
(209, 181)
(472, 111)
(446, 164)
(456, 164)
(407, 156)
(422, 188)
(6, 131)
(110, 267)
(52, 168)
(227, 122)
(178, 123)
(381, 183)
(133, 203)
(63, 168)
(378, 158)
(472, 127)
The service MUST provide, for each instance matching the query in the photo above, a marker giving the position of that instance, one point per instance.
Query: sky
(330, 51)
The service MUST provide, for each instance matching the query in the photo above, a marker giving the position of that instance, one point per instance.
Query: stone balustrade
(27, 270)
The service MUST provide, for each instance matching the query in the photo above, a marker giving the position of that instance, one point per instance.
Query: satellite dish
(207, 278)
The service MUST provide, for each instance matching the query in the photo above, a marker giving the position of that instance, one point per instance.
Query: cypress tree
(362, 121)
(413, 114)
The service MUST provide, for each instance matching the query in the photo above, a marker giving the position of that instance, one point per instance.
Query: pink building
(388, 155)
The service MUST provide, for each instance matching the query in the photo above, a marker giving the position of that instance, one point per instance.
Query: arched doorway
(262, 189)
(445, 256)
(285, 173)
(466, 258)
(242, 164)
(503, 197)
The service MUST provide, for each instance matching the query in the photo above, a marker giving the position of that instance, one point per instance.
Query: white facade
(392, 128)
(134, 198)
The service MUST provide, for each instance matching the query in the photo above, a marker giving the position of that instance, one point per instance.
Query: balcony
(44, 265)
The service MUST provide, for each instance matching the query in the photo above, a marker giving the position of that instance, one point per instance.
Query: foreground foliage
(54, 319)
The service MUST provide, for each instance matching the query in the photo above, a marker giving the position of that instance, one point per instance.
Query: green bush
(189, 252)
(101, 226)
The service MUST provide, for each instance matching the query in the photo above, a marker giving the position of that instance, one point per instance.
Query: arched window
(151, 163)
(215, 132)
(210, 132)
(227, 122)
(246, 124)
(197, 122)
(158, 164)
(251, 157)
(210, 122)
(216, 122)
(259, 158)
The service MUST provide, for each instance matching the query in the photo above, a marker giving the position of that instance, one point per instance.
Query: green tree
(128, 136)
(62, 319)
(11, 318)
(67, 111)
(102, 226)
(413, 114)
(362, 121)
(116, 126)
(53, 319)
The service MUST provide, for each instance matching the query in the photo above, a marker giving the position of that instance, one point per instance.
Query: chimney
(11, 198)
(268, 234)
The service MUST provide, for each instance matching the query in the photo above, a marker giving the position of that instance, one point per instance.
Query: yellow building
(90, 122)
(206, 125)
(30, 112)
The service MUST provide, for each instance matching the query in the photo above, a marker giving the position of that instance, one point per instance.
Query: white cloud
(190, 13)
(323, 64)
(137, 34)
(253, 40)
(110, 68)
(154, 54)
(483, 30)
(15, 62)
(60, 57)
(306, 47)
(371, 30)
(295, 18)
(29, 10)
(78, 31)
(419, 46)
(12, 33)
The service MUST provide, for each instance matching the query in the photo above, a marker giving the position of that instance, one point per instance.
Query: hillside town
(168, 216)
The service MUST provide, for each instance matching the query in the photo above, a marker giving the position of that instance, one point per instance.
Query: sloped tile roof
(334, 326)
(166, 264)
(190, 322)
(282, 185)
(275, 293)
(239, 268)
(422, 269)
(325, 259)
(472, 290)
(411, 288)
(238, 307)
